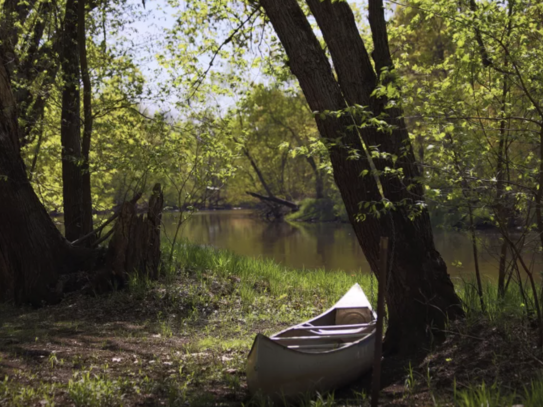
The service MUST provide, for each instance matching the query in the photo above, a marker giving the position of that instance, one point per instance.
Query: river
(331, 246)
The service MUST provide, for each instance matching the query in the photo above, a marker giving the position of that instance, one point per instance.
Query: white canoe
(324, 353)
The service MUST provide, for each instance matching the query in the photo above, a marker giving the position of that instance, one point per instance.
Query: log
(275, 200)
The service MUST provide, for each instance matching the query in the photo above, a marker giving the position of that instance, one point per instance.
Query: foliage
(274, 130)
(475, 125)
(316, 210)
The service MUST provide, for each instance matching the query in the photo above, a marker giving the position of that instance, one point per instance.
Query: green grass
(184, 340)
(493, 396)
(90, 390)
(262, 281)
(514, 306)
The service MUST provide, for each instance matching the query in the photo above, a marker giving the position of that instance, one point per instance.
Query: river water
(332, 246)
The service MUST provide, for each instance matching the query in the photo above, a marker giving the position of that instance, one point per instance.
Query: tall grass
(493, 396)
(516, 304)
(264, 275)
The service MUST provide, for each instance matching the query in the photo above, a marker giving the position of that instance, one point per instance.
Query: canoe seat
(351, 316)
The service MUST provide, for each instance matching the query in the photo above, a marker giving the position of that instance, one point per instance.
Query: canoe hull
(279, 372)
(329, 351)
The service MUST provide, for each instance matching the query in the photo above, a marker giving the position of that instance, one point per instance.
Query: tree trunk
(86, 224)
(135, 245)
(274, 199)
(70, 135)
(420, 294)
(319, 185)
(501, 205)
(33, 253)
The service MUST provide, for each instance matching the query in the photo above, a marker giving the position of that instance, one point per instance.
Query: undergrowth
(319, 210)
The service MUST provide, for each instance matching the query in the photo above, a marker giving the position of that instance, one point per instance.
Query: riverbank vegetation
(184, 340)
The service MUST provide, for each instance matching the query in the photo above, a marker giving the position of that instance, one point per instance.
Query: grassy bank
(183, 341)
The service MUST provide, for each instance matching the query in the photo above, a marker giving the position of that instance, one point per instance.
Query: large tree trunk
(420, 294)
(70, 134)
(33, 253)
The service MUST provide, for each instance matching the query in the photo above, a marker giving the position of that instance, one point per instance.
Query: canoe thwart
(316, 337)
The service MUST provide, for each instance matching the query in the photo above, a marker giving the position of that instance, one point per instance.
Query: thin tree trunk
(319, 185)
(502, 271)
(500, 189)
(467, 194)
(475, 256)
(36, 155)
(70, 135)
(258, 172)
(502, 166)
(86, 223)
(420, 293)
(539, 192)
(533, 284)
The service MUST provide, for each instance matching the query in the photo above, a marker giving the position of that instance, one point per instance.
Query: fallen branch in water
(276, 200)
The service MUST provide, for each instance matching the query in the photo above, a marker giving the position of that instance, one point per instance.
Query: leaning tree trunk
(420, 294)
(33, 253)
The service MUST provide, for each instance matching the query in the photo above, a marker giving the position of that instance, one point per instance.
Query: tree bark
(33, 253)
(87, 126)
(501, 206)
(70, 135)
(420, 294)
(135, 245)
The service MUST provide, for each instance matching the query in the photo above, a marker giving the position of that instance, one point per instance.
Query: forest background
(207, 107)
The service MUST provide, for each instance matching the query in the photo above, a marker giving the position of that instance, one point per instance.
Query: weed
(165, 326)
(482, 395)
(410, 381)
(534, 394)
(89, 390)
(17, 395)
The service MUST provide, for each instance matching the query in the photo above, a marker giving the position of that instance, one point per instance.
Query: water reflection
(325, 245)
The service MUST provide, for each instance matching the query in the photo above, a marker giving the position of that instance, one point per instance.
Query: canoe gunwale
(366, 338)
